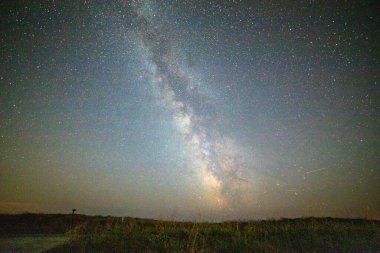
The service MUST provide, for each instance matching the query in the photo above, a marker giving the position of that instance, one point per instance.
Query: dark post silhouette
(72, 218)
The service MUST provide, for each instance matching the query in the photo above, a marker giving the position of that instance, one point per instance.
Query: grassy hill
(113, 234)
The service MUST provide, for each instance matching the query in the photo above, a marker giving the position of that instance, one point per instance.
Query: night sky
(190, 109)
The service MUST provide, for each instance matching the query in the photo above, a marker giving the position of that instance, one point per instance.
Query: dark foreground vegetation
(111, 234)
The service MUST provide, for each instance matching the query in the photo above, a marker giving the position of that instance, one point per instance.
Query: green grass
(288, 235)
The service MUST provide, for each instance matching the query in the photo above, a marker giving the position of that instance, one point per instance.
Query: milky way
(217, 166)
(188, 109)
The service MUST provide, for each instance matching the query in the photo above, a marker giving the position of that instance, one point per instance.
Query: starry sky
(190, 109)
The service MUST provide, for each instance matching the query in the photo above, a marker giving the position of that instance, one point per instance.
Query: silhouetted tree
(73, 211)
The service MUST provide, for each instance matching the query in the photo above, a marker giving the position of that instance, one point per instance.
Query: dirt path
(31, 244)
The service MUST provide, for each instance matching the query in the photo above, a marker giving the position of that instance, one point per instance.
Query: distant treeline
(39, 223)
(30, 223)
(33, 223)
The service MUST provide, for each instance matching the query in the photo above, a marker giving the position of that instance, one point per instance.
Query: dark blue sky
(219, 109)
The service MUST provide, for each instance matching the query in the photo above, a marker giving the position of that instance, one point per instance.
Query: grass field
(111, 234)
(300, 235)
